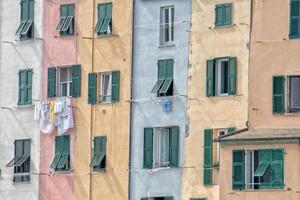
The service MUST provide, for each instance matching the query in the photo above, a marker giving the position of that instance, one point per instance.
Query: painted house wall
(103, 54)
(209, 42)
(147, 109)
(291, 173)
(16, 122)
(57, 51)
(272, 54)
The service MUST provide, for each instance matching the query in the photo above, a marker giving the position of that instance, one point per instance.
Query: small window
(26, 28)
(61, 160)
(294, 94)
(105, 87)
(21, 161)
(25, 87)
(65, 25)
(65, 81)
(223, 15)
(167, 25)
(99, 154)
(221, 79)
(104, 22)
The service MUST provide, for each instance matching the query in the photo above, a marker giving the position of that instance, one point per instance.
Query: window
(221, 77)
(164, 84)
(223, 15)
(99, 153)
(66, 22)
(25, 87)
(167, 25)
(158, 198)
(61, 161)
(294, 94)
(109, 89)
(295, 19)
(258, 169)
(68, 84)
(104, 23)
(26, 27)
(161, 147)
(21, 161)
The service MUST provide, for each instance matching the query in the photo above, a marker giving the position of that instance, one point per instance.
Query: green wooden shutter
(277, 168)
(295, 19)
(115, 84)
(22, 87)
(208, 144)
(148, 148)
(278, 94)
(231, 129)
(168, 198)
(218, 15)
(161, 69)
(265, 155)
(227, 12)
(174, 146)
(59, 143)
(66, 144)
(31, 10)
(51, 82)
(210, 78)
(63, 10)
(103, 140)
(169, 68)
(24, 10)
(76, 80)
(238, 170)
(92, 88)
(232, 76)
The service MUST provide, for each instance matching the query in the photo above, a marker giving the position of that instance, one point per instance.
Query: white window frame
(164, 25)
(157, 159)
(102, 88)
(60, 84)
(218, 84)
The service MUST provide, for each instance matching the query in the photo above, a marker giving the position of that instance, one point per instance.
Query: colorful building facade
(217, 90)
(21, 37)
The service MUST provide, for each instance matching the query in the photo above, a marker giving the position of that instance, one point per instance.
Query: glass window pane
(295, 92)
(224, 77)
(164, 147)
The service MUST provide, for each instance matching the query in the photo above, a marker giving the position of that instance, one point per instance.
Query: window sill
(105, 35)
(221, 96)
(61, 172)
(98, 171)
(166, 45)
(64, 36)
(22, 183)
(24, 105)
(262, 190)
(224, 26)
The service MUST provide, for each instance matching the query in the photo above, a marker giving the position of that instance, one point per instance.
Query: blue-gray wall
(147, 109)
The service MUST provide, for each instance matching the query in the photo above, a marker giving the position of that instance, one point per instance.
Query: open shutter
(265, 156)
(238, 170)
(294, 19)
(231, 129)
(277, 169)
(168, 67)
(208, 143)
(148, 148)
(51, 82)
(232, 76)
(92, 88)
(76, 80)
(210, 78)
(115, 84)
(278, 94)
(174, 146)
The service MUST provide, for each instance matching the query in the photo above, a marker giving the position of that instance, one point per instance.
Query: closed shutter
(227, 12)
(148, 148)
(232, 76)
(219, 15)
(92, 88)
(278, 94)
(208, 143)
(51, 82)
(76, 80)
(174, 146)
(22, 87)
(210, 78)
(29, 87)
(277, 168)
(238, 170)
(115, 84)
(295, 19)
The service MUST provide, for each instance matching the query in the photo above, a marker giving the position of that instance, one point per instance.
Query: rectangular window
(99, 154)
(104, 22)
(167, 25)
(161, 147)
(164, 84)
(294, 94)
(61, 160)
(65, 81)
(66, 22)
(295, 19)
(25, 87)
(262, 169)
(223, 15)
(21, 161)
(221, 80)
(106, 87)
(26, 27)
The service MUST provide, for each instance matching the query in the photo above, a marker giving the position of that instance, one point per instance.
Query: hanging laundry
(45, 125)
(52, 113)
(37, 111)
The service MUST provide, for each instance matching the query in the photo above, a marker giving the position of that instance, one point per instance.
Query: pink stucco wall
(57, 51)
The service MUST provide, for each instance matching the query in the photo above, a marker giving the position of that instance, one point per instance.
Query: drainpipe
(131, 99)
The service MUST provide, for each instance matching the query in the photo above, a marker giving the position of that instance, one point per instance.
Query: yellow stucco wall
(291, 174)
(111, 120)
(208, 42)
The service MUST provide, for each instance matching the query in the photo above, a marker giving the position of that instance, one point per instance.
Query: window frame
(59, 82)
(164, 25)
(25, 30)
(157, 147)
(223, 23)
(69, 30)
(218, 75)
(27, 87)
(289, 95)
(62, 155)
(102, 162)
(101, 87)
(108, 20)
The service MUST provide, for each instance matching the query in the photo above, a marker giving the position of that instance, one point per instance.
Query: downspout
(131, 99)
(91, 128)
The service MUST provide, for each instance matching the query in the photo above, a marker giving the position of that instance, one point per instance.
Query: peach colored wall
(272, 54)
(57, 51)
(291, 175)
